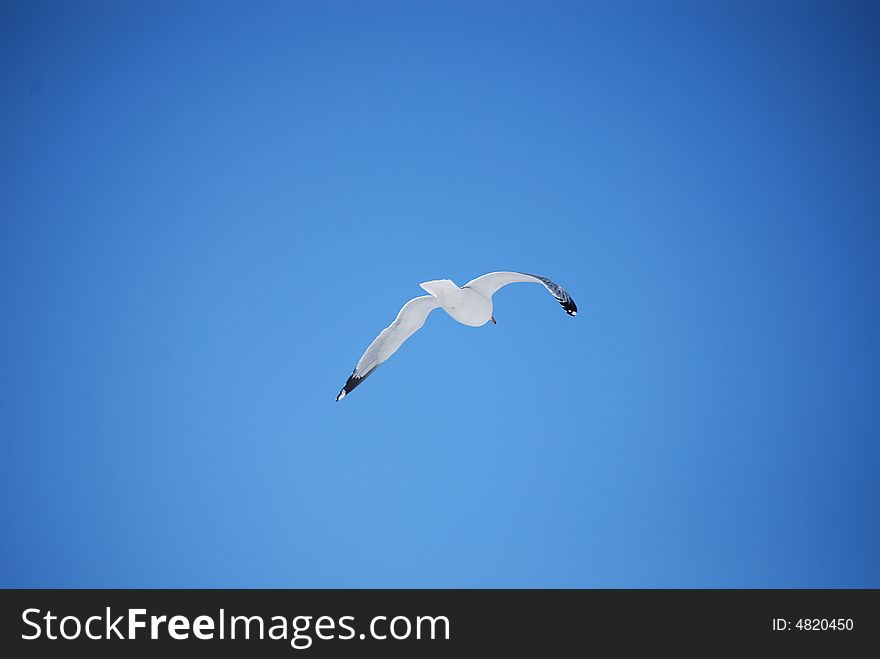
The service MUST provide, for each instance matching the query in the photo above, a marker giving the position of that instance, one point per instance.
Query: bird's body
(470, 305)
(465, 305)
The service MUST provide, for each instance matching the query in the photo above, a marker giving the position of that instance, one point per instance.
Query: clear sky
(209, 209)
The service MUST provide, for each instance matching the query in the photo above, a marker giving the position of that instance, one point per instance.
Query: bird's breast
(470, 308)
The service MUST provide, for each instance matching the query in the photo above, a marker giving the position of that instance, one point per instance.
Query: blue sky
(208, 210)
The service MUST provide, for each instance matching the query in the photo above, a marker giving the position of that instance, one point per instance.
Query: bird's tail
(437, 287)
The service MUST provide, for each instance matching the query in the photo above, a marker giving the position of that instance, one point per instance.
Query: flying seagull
(470, 304)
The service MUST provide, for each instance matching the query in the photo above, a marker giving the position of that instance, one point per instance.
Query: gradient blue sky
(208, 210)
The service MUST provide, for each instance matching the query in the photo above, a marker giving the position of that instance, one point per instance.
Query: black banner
(430, 622)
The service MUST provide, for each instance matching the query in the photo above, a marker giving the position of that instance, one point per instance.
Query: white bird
(470, 304)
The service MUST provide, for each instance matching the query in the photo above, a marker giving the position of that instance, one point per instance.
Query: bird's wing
(411, 317)
(488, 284)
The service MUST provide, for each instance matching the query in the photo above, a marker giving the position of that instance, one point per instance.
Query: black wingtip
(352, 382)
(559, 293)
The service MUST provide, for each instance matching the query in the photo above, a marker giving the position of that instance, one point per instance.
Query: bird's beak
(494, 322)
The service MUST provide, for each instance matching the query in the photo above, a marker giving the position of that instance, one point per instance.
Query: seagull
(470, 305)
